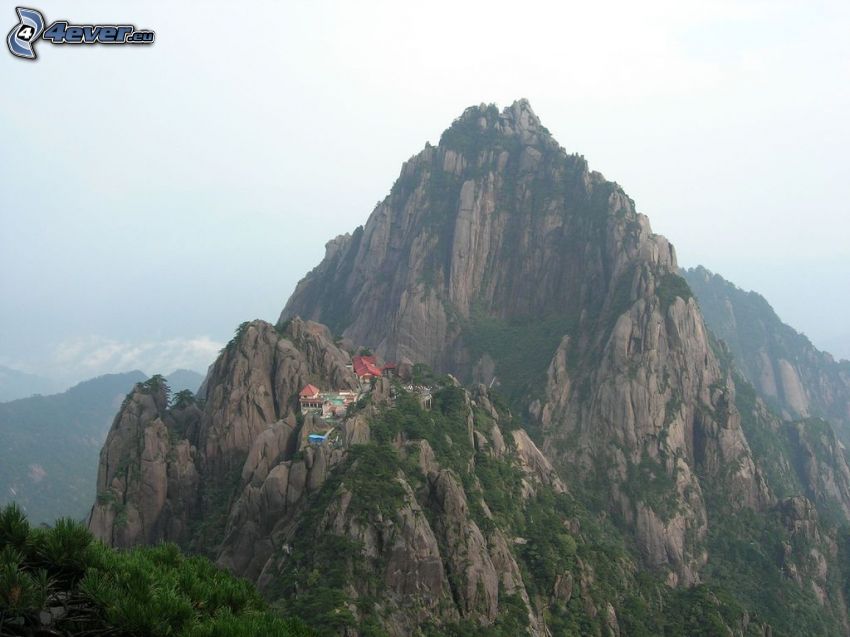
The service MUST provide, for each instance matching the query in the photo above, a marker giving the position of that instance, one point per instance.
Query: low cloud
(85, 357)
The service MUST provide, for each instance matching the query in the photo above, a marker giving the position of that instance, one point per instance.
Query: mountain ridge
(16, 384)
(499, 228)
(800, 380)
(51, 443)
(501, 261)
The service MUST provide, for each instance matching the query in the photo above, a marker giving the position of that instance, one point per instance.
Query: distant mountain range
(181, 379)
(48, 459)
(790, 373)
(16, 384)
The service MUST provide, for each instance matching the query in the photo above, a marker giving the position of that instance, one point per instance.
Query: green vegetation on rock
(670, 287)
(571, 558)
(521, 350)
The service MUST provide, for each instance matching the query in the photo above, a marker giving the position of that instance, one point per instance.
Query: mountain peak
(521, 113)
(484, 123)
(497, 217)
(501, 260)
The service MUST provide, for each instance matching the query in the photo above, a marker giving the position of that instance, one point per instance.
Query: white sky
(151, 199)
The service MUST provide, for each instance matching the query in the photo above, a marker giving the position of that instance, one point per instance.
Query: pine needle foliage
(61, 581)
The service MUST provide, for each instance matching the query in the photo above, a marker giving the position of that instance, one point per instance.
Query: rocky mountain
(50, 446)
(628, 483)
(497, 254)
(496, 225)
(149, 481)
(413, 521)
(789, 372)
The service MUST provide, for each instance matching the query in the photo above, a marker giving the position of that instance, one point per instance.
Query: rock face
(783, 365)
(147, 481)
(411, 532)
(809, 551)
(822, 465)
(498, 220)
(651, 413)
(162, 467)
(257, 380)
(498, 230)
(620, 441)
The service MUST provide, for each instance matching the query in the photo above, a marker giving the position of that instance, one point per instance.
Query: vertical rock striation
(494, 247)
(500, 259)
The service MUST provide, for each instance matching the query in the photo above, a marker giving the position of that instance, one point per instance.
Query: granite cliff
(604, 470)
(443, 519)
(499, 255)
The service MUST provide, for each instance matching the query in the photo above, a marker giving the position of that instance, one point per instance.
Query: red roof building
(365, 367)
(310, 398)
(309, 391)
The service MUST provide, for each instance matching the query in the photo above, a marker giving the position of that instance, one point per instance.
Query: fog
(152, 198)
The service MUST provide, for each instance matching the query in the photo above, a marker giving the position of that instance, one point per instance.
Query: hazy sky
(153, 198)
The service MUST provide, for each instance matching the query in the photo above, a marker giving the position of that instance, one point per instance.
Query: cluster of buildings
(333, 405)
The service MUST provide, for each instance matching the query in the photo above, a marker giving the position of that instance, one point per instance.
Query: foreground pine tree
(60, 581)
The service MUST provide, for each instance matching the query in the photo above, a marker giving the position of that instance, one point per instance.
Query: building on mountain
(390, 370)
(334, 407)
(347, 396)
(366, 368)
(310, 398)
(333, 404)
(321, 437)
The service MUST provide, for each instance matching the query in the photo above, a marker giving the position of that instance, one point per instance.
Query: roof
(309, 391)
(364, 365)
(390, 366)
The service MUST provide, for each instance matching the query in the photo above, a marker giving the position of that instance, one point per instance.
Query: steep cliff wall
(167, 472)
(499, 222)
(448, 521)
(627, 483)
(497, 255)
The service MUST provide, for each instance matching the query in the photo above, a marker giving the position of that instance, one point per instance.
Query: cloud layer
(80, 358)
